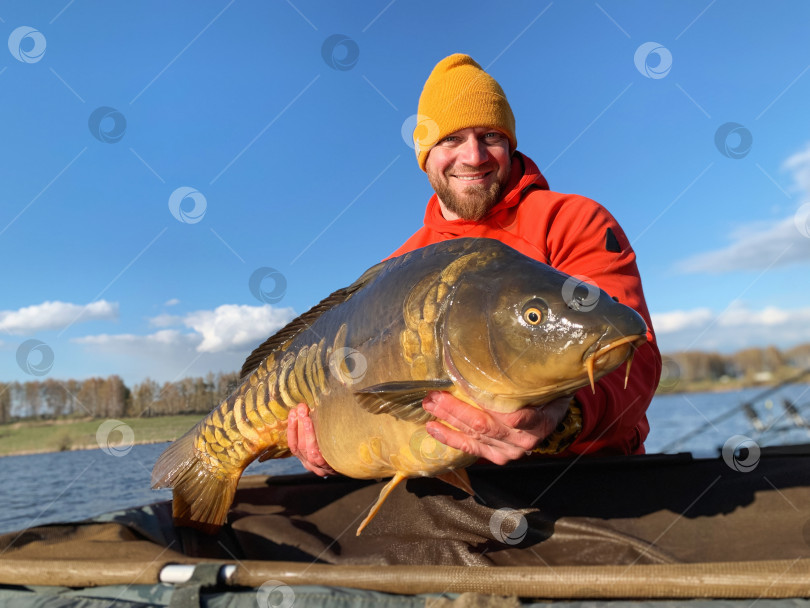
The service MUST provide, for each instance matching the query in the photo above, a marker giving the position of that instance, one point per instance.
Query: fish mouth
(609, 356)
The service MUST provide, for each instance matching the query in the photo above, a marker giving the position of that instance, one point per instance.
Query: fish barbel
(469, 316)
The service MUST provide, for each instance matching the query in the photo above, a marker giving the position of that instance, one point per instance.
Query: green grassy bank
(31, 437)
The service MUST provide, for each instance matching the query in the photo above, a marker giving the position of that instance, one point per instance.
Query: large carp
(470, 316)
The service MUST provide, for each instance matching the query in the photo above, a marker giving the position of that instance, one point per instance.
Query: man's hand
(303, 443)
(492, 435)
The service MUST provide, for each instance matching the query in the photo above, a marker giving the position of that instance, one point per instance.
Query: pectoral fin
(458, 478)
(403, 400)
(383, 495)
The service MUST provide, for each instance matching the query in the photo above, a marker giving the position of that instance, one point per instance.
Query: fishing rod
(796, 422)
(734, 411)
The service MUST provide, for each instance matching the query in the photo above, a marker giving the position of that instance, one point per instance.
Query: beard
(474, 202)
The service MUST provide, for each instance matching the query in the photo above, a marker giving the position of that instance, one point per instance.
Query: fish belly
(359, 444)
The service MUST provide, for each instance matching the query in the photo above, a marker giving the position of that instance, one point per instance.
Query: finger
(292, 432)
(304, 437)
(457, 413)
(531, 422)
(493, 450)
(297, 438)
(497, 431)
(309, 439)
(509, 444)
(319, 471)
(311, 442)
(502, 432)
(302, 414)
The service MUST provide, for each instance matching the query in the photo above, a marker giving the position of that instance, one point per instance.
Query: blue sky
(290, 143)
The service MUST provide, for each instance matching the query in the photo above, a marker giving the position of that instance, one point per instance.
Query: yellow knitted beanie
(459, 94)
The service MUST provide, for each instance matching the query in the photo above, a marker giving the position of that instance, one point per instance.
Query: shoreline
(79, 448)
(722, 387)
(27, 437)
(30, 437)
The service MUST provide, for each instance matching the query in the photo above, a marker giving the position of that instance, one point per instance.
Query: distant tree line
(111, 398)
(752, 365)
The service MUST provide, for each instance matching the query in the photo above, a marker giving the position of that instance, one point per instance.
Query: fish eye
(533, 315)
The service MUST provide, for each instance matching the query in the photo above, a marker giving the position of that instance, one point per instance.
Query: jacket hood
(524, 174)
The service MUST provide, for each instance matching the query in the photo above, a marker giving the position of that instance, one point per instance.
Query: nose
(473, 152)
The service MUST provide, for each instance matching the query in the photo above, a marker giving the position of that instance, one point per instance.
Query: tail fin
(201, 494)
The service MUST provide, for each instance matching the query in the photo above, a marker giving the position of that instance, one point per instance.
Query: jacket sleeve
(584, 239)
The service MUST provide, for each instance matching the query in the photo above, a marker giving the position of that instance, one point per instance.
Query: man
(465, 142)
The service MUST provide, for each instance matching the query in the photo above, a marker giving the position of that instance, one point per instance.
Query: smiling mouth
(472, 177)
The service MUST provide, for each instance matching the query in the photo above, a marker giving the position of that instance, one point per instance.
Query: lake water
(70, 486)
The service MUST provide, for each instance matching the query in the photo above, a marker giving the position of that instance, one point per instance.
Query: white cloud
(739, 316)
(735, 328)
(164, 337)
(165, 320)
(172, 302)
(677, 320)
(760, 245)
(219, 339)
(55, 315)
(233, 326)
(779, 244)
(799, 165)
(229, 327)
(165, 355)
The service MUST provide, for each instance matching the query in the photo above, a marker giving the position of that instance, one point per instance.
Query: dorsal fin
(303, 322)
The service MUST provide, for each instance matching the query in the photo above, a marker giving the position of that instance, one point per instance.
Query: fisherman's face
(469, 171)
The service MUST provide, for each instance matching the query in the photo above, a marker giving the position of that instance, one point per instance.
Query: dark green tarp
(544, 516)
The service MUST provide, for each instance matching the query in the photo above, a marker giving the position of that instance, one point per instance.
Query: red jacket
(573, 234)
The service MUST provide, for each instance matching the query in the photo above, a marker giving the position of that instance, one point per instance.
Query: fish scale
(452, 316)
(248, 418)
